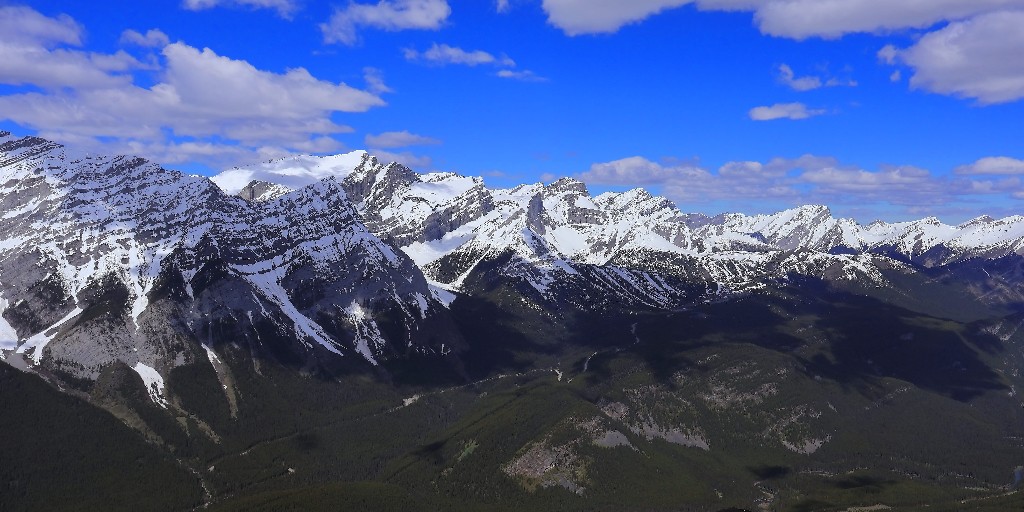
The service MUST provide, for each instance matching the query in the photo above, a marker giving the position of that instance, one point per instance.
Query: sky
(880, 109)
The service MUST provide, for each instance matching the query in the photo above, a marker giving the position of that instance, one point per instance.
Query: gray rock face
(398, 204)
(262, 191)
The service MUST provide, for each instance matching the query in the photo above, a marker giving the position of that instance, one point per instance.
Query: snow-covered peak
(637, 203)
(291, 172)
(82, 224)
(984, 219)
(566, 186)
(262, 191)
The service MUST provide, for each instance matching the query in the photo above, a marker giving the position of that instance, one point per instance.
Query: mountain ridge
(444, 220)
(80, 229)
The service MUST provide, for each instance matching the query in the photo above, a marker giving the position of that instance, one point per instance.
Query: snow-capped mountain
(627, 248)
(116, 259)
(292, 327)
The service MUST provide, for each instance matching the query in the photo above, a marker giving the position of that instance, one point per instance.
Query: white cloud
(523, 75)
(284, 7)
(374, 79)
(502, 5)
(209, 83)
(401, 139)
(391, 15)
(636, 170)
(59, 68)
(793, 111)
(577, 17)
(808, 179)
(975, 55)
(153, 38)
(405, 158)
(978, 58)
(203, 106)
(796, 19)
(23, 25)
(808, 83)
(993, 165)
(888, 54)
(804, 83)
(693, 184)
(801, 19)
(905, 184)
(443, 54)
(31, 54)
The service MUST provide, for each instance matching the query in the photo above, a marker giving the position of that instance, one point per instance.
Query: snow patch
(438, 189)
(292, 172)
(367, 332)
(154, 383)
(269, 282)
(421, 302)
(8, 336)
(211, 355)
(441, 294)
(40, 340)
(423, 253)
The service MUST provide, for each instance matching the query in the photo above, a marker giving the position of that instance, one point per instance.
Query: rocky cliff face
(115, 259)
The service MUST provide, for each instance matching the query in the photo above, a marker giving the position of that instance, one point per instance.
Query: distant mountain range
(344, 265)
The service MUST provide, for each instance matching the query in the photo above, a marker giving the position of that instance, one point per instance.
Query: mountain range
(277, 307)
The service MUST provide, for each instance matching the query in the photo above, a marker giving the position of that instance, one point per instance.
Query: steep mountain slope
(116, 259)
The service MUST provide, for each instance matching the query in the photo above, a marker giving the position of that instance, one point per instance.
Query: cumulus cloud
(203, 105)
(793, 111)
(993, 165)
(284, 7)
(969, 48)
(897, 185)
(804, 83)
(23, 25)
(31, 53)
(977, 58)
(636, 170)
(405, 158)
(153, 38)
(442, 54)
(690, 183)
(808, 83)
(796, 19)
(209, 83)
(374, 79)
(402, 139)
(390, 15)
(807, 179)
(801, 19)
(577, 17)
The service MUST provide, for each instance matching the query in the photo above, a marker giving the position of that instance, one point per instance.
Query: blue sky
(877, 108)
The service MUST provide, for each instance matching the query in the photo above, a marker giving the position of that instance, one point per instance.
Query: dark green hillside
(58, 452)
(807, 398)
